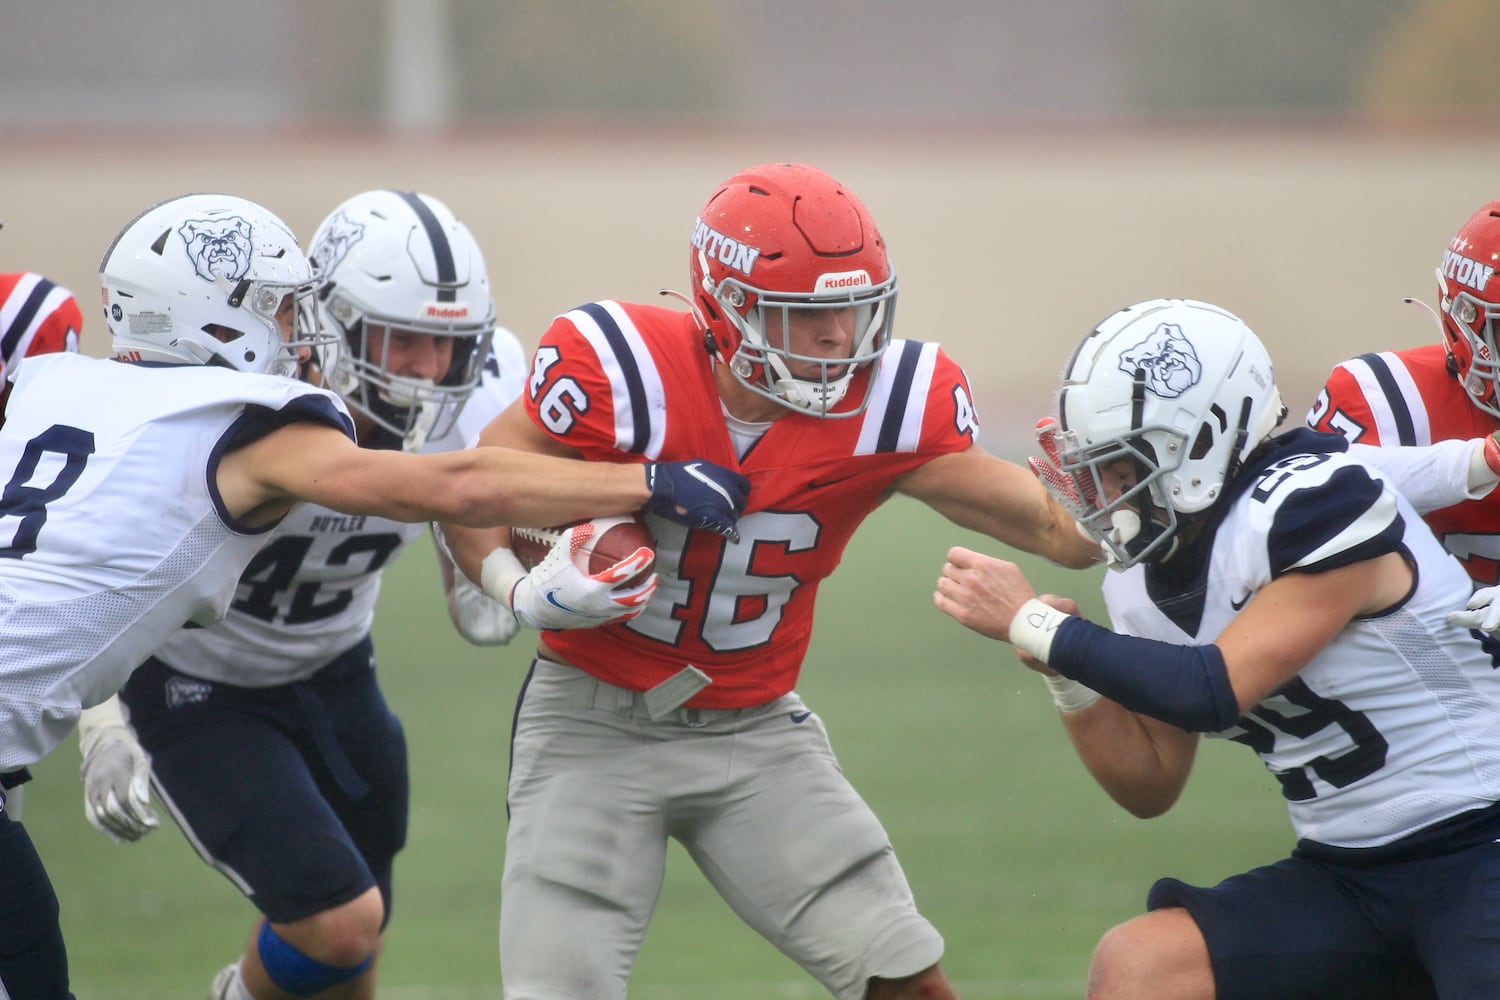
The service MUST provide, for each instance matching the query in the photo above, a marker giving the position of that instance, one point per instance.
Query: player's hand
(698, 494)
(1482, 611)
(556, 594)
(1078, 495)
(116, 775)
(1491, 452)
(480, 618)
(981, 592)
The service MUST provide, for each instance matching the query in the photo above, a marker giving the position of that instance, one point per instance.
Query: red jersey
(36, 317)
(624, 382)
(1410, 398)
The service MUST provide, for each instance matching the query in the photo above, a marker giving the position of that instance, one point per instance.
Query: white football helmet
(1184, 391)
(201, 278)
(396, 264)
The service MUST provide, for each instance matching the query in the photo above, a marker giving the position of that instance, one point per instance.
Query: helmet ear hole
(1203, 443)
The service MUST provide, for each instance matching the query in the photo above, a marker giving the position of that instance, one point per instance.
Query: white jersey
(112, 531)
(310, 594)
(1392, 727)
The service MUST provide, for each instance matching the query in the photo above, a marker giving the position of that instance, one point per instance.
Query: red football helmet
(771, 242)
(1469, 295)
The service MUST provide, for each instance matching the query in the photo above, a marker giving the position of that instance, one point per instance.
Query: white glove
(1482, 611)
(556, 594)
(481, 619)
(116, 775)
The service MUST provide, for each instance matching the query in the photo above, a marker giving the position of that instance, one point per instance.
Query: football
(606, 542)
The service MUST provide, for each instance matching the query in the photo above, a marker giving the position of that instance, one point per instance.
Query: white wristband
(1069, 695)
(1033, 627)
(499, 574)
(1482, 478)
(98, 720)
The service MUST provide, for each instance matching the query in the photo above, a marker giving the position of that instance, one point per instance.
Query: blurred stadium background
(1033, 167)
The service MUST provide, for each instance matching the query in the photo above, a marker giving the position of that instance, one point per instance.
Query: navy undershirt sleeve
(1184, 686)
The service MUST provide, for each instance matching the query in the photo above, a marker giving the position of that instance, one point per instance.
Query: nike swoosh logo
(818, 484)
(800, 717)
(1236, 605)
(552, 600)
(692, 470)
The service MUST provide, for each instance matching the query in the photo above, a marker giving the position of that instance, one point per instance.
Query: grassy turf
(1016, 856)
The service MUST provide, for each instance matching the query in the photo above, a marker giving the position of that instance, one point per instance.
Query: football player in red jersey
(1443, 391)
(37, 316)
(682, 721)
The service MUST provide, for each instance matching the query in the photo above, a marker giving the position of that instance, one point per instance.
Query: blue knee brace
(295, 973)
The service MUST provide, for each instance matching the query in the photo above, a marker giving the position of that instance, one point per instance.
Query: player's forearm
(493, 486)
(467, 547)
(1435, 476)
(1068, 545)
(1141, 764)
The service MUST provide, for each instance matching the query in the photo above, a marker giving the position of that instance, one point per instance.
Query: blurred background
(1033, 166)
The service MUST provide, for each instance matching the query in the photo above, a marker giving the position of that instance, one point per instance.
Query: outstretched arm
(476, 487)
(512, 428)
(1438, 475)
(1141, 763)
(1197, 687)
(979, 491)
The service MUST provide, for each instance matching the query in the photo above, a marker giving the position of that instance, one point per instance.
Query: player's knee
(1157, 954)
(929, 984)
(343, 934)
(345, 948)
(1108, 964)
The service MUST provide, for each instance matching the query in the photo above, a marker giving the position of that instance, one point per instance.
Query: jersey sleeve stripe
(1388, 390)
(635, 384)
(24, 319)
(893, 421)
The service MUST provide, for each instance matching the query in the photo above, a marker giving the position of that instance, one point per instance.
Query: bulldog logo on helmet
(335, 241)
(218, 248)
(1167, 359)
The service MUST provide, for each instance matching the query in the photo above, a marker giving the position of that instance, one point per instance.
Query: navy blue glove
(697, 494)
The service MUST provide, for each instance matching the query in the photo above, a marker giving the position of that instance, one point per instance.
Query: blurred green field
(1016, 856)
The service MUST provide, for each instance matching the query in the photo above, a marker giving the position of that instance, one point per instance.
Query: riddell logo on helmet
(728, 251)
(435, 311)
(1466, 271)
(843, 279)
